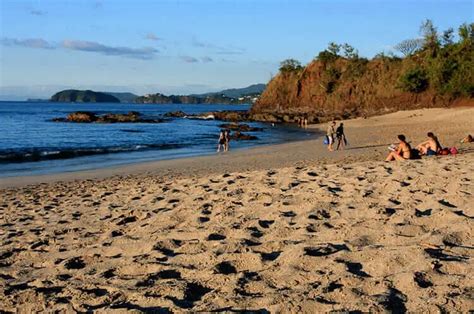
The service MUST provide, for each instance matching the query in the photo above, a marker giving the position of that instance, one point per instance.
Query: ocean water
(31, 144)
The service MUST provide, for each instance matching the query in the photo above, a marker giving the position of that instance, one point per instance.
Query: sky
(192, 46)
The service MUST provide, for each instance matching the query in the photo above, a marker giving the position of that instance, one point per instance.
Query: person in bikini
(431, 147)
(402, 152)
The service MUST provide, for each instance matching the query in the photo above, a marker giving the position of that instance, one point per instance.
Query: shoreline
(360, 132)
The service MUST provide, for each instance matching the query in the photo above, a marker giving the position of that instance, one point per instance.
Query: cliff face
(72, 95)
(348, 88)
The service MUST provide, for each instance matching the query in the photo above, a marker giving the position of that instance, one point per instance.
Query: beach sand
(284, 228)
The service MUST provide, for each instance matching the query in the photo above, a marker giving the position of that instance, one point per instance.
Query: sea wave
(38, 154)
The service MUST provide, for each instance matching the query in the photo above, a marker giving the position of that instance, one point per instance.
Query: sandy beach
(283, 228)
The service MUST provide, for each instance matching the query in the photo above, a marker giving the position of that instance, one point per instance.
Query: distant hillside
(229, 96)
(123, 97)
(435, 72)
(184, 99)
(73, 95)
(255, 89)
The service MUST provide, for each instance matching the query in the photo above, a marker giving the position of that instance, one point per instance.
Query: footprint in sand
(354, 268)
(269, 257)
(216, 237)
(265, 223)
(225, 268)
(421, 280)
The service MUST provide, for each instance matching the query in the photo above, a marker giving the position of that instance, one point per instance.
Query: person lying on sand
(431, 147)
(467, 139)
(402, 152)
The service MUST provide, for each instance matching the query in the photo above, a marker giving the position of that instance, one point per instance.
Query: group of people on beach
(335, 134)
(223, 142)
(303, 121)
(430, 147)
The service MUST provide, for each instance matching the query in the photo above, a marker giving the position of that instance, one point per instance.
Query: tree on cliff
(409, 46)
(290, 65)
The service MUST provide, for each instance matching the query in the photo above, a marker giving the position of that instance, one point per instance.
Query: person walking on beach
(227, 140)
(221, 141)
(341, 137)
(330, 134)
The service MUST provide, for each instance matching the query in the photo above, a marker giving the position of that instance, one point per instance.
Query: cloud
(38, 43)
(189, 59)
(37, 12)
(222, 50)
(207, 59)
(230, 50)
(145, 53)
(151, 36)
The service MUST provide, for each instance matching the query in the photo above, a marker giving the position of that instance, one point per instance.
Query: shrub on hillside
(414, 80)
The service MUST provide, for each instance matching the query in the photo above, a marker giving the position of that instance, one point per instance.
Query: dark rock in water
(175, 114)
(239, 136)
(239, 127)
(91, 117)
(80, 116)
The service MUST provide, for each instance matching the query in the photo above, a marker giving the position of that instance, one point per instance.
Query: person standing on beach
(341, 137)
(221, 141)
(227, 140)
(330, 134)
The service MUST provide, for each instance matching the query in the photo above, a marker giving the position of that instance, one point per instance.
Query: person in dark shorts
(431, 147)
(341, 137)
(221, 141)
(227, 140)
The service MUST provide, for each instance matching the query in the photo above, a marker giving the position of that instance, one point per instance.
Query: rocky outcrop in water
(91, 117)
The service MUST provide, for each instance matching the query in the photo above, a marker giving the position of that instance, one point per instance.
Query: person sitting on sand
(402, 151)
(221, 141)
(431, 147)
(341, 137)
(330, 134)
(467, 139)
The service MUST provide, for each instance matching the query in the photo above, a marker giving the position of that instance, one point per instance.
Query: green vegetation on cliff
(436, 70)
(73, 95)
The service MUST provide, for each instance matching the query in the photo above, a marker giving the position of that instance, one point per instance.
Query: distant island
(73, 95)
(228, 96)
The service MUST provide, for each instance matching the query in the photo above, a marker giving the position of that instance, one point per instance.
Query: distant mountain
(228, 96)
(185, 99)
(252, 90)
(74, 95)
(123, 97)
